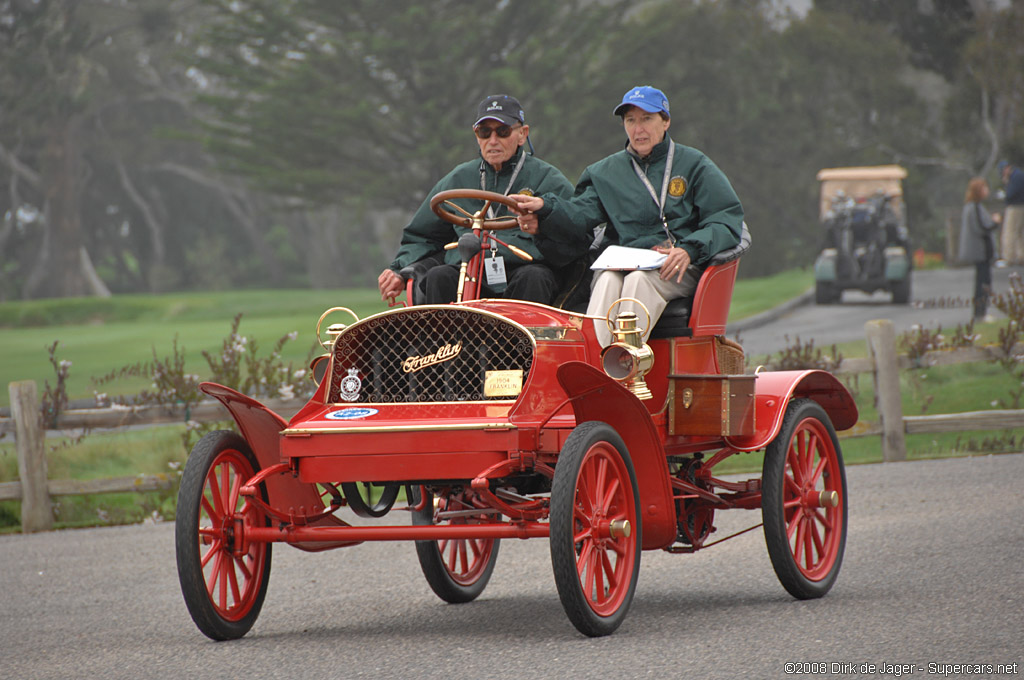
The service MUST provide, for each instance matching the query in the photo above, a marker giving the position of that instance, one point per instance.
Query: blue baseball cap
(1002, 166)
(648, 98)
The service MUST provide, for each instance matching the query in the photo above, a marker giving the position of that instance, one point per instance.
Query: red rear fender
(774, 389)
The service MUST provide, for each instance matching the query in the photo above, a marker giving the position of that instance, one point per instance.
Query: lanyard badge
(495, 270)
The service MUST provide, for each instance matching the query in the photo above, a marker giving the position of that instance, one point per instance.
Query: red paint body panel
(712, 299)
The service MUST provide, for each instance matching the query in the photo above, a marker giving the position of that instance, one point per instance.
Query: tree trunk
(58, 270)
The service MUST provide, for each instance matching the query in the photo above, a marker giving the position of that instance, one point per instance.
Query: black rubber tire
(821, 559)
(901, 291)
(218, 621)
(361, 505)
(448, 582)
(573, 543)
(825, 293)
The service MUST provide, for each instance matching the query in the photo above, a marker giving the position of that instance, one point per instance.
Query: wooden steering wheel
(478, 220)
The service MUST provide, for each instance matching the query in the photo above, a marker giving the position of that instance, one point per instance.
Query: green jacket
(703, 212)
(427, 234)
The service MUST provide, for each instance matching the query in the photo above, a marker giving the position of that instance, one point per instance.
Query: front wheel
(223, 576)
(457, 569)
(826, 293)
(595, 529)
(803, 501)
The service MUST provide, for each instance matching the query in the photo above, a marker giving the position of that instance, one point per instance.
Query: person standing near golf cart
(654, 194)
(978, 243)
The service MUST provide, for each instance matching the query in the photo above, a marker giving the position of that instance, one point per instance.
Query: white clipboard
(623, 258)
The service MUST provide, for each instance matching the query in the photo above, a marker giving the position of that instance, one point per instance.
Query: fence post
(36, 512)
(882, 348)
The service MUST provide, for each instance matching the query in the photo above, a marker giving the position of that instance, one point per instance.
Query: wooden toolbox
(720, 405)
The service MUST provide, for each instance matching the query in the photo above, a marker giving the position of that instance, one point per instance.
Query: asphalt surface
(939, 298)
(933, 575)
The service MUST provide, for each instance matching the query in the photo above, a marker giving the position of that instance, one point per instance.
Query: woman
(654, 194)
(978, 243)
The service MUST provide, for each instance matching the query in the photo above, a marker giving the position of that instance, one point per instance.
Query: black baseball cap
(502, 108)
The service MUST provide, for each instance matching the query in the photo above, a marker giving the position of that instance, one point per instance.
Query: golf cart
(866, 240)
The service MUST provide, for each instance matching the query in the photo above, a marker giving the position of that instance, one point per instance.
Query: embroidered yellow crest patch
(677, 186)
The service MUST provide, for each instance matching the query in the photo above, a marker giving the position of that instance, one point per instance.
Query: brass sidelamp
(629, 358)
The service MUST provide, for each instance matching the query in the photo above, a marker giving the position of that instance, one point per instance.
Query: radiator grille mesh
(426, 355)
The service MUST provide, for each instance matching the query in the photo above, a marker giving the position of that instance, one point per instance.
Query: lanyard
(664, 188)
(511, 181)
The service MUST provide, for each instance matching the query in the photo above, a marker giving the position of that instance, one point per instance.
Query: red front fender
(595, 396)
(261, 427)
(774, 389)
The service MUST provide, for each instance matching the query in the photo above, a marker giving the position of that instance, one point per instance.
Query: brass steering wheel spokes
(442, 202)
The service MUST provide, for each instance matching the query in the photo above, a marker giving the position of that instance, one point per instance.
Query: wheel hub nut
(620, 527)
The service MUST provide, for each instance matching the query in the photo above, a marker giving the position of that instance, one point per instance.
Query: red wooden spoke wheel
(223, 576)
(595, 528)
(457, 569)
(803, 501)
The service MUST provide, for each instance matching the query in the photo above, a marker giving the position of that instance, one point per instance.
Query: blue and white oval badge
(351, 413)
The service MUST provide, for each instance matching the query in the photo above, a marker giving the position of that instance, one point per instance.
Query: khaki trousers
(1013, 235)
(645, 286)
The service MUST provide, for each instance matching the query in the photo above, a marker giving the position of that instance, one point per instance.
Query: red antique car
(506, 419)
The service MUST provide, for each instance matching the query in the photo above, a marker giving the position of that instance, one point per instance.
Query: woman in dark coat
(978, 243)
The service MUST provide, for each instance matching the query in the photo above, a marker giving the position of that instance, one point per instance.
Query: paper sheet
(621, 258)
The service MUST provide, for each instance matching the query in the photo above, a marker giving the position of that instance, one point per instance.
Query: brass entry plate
(503, 383)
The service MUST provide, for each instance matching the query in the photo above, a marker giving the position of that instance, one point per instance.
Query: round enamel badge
(351, 413)
(677, 186)
(351, 385)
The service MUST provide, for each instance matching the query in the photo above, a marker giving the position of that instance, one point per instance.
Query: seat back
(711, 301)
(707, 311)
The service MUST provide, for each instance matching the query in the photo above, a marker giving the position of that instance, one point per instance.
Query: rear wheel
(595, 529)
(803, 501)
(457, 569)
(900, 291)
(223, 576)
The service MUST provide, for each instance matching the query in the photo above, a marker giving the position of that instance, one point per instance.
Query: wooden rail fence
(35, 490)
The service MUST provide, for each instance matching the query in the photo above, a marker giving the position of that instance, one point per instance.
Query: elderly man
(505, 167)
(654, 194)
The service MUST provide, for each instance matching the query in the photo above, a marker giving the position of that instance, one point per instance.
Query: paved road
(932, 575)
(940, 297)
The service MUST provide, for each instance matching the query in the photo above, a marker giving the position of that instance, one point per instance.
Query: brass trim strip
(396, 428)
(374, 404)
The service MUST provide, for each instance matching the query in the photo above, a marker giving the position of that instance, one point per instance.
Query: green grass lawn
(753, 296)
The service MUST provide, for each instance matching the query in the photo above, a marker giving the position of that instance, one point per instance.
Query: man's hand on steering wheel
(526, 206)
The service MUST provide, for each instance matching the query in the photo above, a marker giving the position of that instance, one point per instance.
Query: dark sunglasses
(485, 132)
